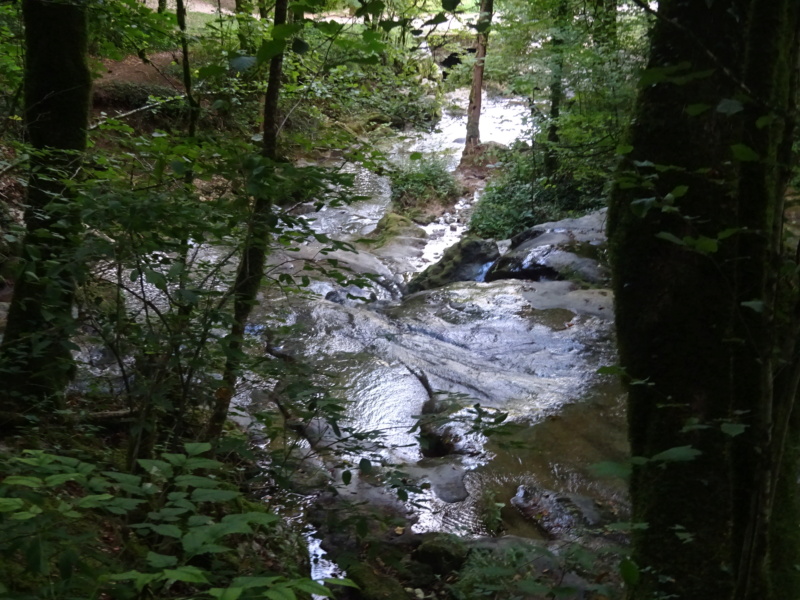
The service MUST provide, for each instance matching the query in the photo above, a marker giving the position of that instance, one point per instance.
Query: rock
(567, 249)
(557, 516)
(464, 261)
(373, 585)
(444, 552)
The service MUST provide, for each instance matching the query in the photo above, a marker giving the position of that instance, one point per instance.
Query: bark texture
(706, 298)
(35, 357)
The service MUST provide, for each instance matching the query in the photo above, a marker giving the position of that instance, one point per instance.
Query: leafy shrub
(70, 529)
(519, 198)
(422, 182)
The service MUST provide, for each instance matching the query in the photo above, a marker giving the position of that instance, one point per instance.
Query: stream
(527, 349)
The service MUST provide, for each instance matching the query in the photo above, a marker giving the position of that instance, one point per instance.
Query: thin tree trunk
(35, 354)
(476, 90)
(551, 161)
(251, 267)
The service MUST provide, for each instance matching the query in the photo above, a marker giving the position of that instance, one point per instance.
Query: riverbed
(528, 350)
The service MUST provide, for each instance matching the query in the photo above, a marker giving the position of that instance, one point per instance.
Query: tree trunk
(551, 161)
(35, 355)
(162, 6)
(707, 318)
(251, 266)
(474, 111)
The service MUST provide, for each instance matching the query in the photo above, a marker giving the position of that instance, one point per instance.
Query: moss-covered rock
(373, 584)
(393, 225)
(464, 261)
(443, 552)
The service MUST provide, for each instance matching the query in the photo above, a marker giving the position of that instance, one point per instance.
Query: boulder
(568, 249)
(465, 261)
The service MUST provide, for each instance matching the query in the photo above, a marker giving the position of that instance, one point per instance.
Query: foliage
(11, 61)
(520, 197)
(69, 527)
(423, 182)
(527, 571)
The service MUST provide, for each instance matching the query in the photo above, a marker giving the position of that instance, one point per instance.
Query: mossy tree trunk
(707, 303)
(35, 355)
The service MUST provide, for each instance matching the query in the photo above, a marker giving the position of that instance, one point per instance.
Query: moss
(444, 553)
(461, 262)
(393, 225)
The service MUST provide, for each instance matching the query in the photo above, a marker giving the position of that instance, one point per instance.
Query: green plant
(528, 570)
(423, 182)
(519, 197)
(69, 527)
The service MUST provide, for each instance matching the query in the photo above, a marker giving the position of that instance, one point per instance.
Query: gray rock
(568, 249)
(464, 261)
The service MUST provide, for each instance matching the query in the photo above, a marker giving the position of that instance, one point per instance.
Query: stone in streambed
(464, 261)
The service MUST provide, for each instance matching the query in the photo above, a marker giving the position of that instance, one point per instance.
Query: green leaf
(450, 5)
(11, 504)
(197, 462)
(611, 469)
(167, 530)
(193, 449)
(254, 582)
(161, 561)
(347, 477)
(733, 429)
(176, 460)
(94, 500)
(744, 153)
(155, 467)
(612, 370)
(756, 305)
(231, 593)
(677, 454)
(300, 46)
(729, 106)
(415, 156)
(765, 121)
(343, 581)
(285, 31)
(31, 482)
(62, 478)
(210, 71)
(642, 206)
(438, 18)
(623, 149)
(629, 572)
(207, 495)
(679, 191)
(258, 518)
(311, 587)
(703, 244)
(365, 466)
(280, 593)
(186, 574)
(269, 50)
(195, 481)
(665, 235)
(697, 109)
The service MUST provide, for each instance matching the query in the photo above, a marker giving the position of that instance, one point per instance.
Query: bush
(423, 182)
(519, 198)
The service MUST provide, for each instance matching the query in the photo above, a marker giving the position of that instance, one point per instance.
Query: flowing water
(527, 349)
